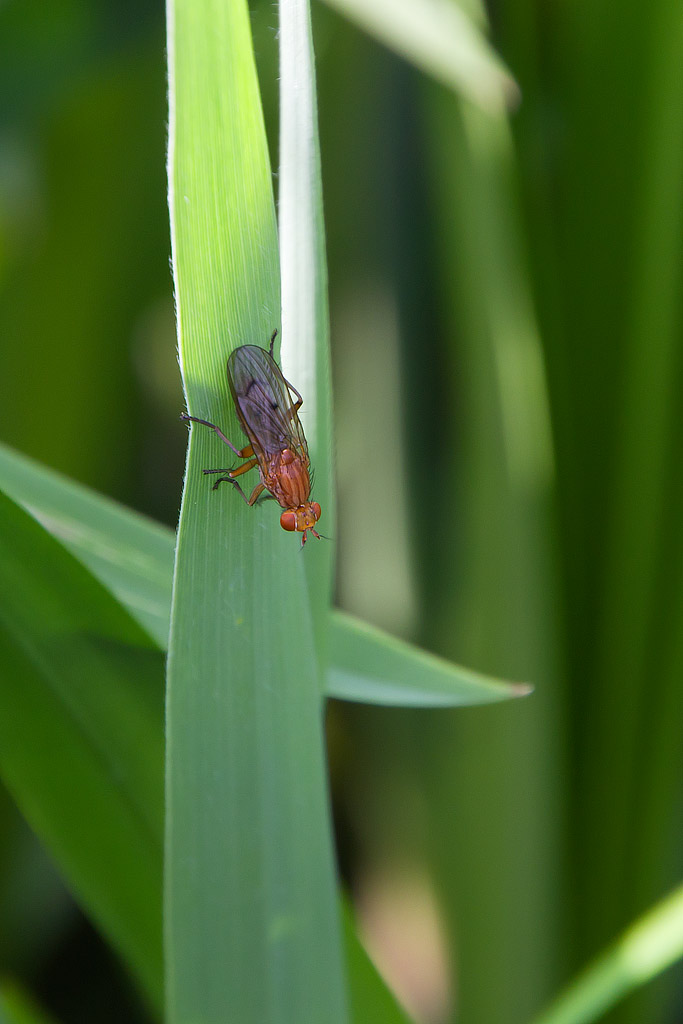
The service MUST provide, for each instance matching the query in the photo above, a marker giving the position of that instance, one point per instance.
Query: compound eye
(317, 511)
(288, 521)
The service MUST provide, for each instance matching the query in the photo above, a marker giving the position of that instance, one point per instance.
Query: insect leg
(195, 419)
(244, 454)
(255, 493)
(230, 474)
(297, 405)
(244, 468)
(272, 342)
(229, 480)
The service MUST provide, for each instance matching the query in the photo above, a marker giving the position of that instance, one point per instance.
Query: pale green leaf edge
(133, 557)
(306, 355)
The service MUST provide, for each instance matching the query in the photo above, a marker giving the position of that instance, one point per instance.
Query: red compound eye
(288, 521)
(317, 511)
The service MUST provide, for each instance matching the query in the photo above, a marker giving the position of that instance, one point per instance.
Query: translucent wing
(264, 404)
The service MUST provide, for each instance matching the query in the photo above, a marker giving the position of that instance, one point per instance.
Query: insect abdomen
(288, 479)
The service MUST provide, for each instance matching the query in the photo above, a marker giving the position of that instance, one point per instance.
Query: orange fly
(268, 406)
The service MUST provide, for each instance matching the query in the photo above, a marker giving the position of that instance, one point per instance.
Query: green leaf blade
(305, 314)
(251, 916)
(80, 736)
(370, 666)
(649, 946)
(441, 40)
(130, 554)
(113, 542)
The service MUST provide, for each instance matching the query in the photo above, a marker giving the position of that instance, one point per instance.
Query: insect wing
(263, 402)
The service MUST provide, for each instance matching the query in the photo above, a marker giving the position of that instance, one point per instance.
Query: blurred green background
(506, 343)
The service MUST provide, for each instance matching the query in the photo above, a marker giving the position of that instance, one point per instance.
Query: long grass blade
(648, 947)
(366, 664)
(114, 543)
(251, 916)
(81, 748)
(305, 317)
(438, 37)
(133, 557)
(502, 611)
(128, 553)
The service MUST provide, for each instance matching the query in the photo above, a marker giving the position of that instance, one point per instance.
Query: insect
(267, 406)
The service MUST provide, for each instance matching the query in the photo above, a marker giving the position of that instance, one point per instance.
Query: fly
(268, 406)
